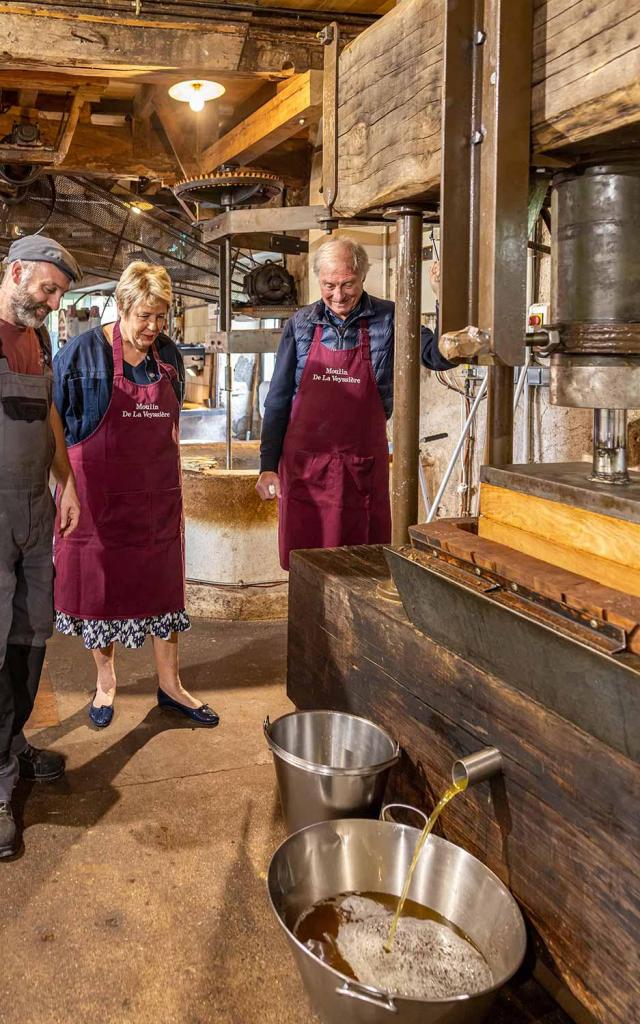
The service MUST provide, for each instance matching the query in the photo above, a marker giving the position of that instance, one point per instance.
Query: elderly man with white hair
(324, 450)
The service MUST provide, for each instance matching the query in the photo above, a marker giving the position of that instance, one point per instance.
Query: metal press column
(406, 376)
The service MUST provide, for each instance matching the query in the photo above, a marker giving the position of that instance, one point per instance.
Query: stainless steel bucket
(373, 856)
(329, 765)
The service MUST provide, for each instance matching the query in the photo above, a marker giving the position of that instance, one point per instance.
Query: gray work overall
(26, 570)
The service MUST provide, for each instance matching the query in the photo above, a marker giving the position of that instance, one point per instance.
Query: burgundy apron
(334, 469)
(126, 557)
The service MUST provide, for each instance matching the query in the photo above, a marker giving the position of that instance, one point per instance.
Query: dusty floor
(140, 896)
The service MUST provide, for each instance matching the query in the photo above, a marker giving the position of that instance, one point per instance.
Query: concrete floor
(140, 896)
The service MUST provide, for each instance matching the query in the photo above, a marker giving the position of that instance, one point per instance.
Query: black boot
(8, 831)
(40, 765)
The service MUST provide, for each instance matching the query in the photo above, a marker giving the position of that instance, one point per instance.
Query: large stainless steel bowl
(356, 855)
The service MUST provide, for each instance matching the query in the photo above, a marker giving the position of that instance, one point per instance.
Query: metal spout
(477, 767)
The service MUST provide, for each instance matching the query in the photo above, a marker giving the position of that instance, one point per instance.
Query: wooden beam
(271, 219)
(143, 103)
(297, 104)
(54, 154)
(591, 544)
(117, 152)
(27, 98)
(45, 81)
(585, 81)
(95, 43)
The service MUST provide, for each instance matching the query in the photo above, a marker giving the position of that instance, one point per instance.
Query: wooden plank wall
(561, 828)
(586, 81)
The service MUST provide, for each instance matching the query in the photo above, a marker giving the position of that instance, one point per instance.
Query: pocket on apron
(25, 409)
(357, 480)
(166, 514)
(312, 477)
(126, 519)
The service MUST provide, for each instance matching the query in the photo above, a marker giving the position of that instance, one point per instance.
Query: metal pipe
(477, 767)
(226, 273)
(457, 450)
(385, 262)
(610, 446)
(406, 379)
(423, 487)
(522, 376)
(526, 414)
(499, 444)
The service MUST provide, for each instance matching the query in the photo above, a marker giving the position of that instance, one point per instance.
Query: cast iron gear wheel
(231, 187)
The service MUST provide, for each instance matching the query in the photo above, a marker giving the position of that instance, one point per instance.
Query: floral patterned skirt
(98, 633)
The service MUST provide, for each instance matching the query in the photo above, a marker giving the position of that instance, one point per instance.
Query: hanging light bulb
(196, 102)
(196, 92)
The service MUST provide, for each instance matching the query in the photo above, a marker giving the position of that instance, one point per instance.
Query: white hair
(339, 249)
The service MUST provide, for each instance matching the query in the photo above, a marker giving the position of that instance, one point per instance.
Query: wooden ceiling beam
(107, 151)
(53, 155)
(27, 98)
(109, 43)
(46, 82)
(297, 104)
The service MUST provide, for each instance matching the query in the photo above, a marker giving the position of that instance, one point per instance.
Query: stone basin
(232, 563)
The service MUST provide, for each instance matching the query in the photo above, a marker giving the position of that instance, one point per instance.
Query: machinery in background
(270, 284)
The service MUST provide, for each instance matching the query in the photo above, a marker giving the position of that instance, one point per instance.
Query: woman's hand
(69, 507)
(434, 278)
(268, 486)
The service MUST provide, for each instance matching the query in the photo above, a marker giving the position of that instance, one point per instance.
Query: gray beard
(24, 308)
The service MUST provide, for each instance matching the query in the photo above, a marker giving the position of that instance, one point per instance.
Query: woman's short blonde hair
(141, 282)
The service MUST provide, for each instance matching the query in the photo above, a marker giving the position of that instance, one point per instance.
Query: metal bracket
(485, 170)
(603, 636)
(330, 37)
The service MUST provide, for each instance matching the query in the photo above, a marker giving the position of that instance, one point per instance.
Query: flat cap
(40, 249)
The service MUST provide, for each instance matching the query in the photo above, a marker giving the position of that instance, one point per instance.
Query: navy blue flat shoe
(101, 717)
(203, 715)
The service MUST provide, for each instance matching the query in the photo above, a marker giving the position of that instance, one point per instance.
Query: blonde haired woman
(118, 390)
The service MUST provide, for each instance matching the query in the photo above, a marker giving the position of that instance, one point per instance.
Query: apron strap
(45, 344)
(116, 341)
(365, 343)
(165, 368)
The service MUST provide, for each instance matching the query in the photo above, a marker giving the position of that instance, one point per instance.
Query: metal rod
(499, 445)
(477, 767)
(423, 487)
(226, 272)
(610, 446)
(526, 415)
(406, 379)
(457, 450)
(522, 376)
(385, 262)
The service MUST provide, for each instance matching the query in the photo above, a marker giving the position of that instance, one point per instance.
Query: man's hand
(268, 486)
(434, 278)
(464, 344)
(69, 507)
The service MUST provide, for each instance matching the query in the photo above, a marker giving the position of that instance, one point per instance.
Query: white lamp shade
(196, 92)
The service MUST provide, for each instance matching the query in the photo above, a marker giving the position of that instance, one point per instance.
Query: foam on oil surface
(428, 959)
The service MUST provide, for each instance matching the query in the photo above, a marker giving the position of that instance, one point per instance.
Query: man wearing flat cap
(38, 273)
